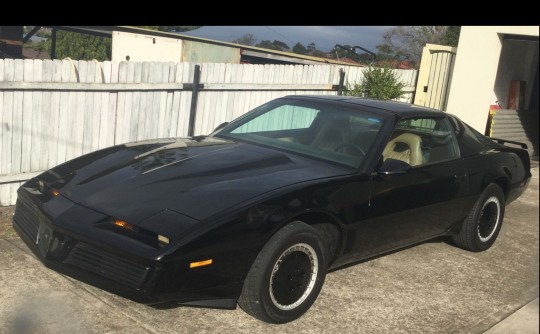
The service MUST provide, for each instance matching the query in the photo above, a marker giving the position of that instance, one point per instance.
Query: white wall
(139, 47)
(475, 71)
(145, 48)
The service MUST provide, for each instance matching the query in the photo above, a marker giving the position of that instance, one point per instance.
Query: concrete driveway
(430, 288)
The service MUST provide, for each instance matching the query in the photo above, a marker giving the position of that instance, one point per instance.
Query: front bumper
(142, 279)
(63, 252)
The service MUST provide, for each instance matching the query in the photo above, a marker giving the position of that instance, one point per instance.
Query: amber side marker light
(123, 224)
(200, 263)
(55, 193)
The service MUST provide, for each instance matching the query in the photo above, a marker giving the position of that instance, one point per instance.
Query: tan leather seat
(409, 150)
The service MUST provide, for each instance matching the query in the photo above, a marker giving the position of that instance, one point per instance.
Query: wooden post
(341, 81)
(194, 95)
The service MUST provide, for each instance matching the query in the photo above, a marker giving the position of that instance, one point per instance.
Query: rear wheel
(287, 275)
(482, 225)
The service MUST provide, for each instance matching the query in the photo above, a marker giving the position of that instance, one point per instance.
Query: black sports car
(257, 212)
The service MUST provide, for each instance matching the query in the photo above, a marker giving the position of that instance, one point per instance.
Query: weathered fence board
(6, 119)
(55, 110)
(17, 125)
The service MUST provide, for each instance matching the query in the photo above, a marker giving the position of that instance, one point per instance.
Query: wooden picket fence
(52, 111)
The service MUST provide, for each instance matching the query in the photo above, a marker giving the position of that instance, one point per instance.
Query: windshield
(323, 131)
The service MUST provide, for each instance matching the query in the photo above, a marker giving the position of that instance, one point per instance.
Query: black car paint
(208, 170)
(226, 199)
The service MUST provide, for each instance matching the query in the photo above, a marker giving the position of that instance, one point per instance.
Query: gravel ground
(6, 230)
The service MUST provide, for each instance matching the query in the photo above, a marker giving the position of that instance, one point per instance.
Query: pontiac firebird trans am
(256, 213)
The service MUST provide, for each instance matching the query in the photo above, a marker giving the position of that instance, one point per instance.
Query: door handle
(460, 177)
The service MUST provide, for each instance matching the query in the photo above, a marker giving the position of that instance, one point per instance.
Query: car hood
(197, 178)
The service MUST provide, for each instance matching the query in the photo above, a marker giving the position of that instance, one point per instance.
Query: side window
(441, 144)
(422, 141)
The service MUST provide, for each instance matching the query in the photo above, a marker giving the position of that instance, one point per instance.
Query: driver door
(414, 205)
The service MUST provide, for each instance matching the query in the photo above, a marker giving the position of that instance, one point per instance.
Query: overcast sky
(324, 37)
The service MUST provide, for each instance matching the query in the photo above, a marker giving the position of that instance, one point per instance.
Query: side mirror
(393, 166)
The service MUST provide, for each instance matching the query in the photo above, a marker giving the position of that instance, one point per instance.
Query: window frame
(449, 131)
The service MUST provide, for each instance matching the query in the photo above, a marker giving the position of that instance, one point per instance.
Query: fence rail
(112, 87)
(52, 111)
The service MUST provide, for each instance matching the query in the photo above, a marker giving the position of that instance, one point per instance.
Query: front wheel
(287, 275)
(482, 225)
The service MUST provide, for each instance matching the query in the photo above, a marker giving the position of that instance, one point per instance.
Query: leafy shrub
(379, 83)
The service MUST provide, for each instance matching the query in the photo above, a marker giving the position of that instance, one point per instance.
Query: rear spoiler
(504, 141)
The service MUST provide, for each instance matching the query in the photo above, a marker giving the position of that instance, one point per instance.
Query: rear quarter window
(470, 141)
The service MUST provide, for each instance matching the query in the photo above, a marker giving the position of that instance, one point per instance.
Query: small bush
(378, 83)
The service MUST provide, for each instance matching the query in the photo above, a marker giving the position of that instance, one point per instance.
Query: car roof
(401, 109)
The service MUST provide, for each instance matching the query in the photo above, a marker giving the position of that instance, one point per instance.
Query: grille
(104, 264)
(27, 219)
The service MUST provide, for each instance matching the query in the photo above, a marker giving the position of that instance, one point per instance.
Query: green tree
(246, 39)
(82, 46)
(299, 48)
(318, 53)
(279, 45)
(39, 46)
(311, 50)
(379, 83)
(365, 58)
(44, 33)
(451, 37)
(407, 42)
(275, 45)
(267, 44)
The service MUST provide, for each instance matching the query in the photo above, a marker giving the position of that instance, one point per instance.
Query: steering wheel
(356, 148)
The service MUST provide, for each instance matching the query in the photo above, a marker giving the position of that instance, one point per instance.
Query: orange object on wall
(489, 125)
(516, 95)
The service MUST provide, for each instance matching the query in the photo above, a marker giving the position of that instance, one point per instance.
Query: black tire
(287, 275)
(482, 225)
(331, 238)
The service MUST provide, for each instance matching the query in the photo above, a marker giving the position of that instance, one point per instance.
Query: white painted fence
(53, 111)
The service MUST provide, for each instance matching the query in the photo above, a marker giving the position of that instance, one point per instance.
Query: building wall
(475, 71)
(137, 47)
(196, 52)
